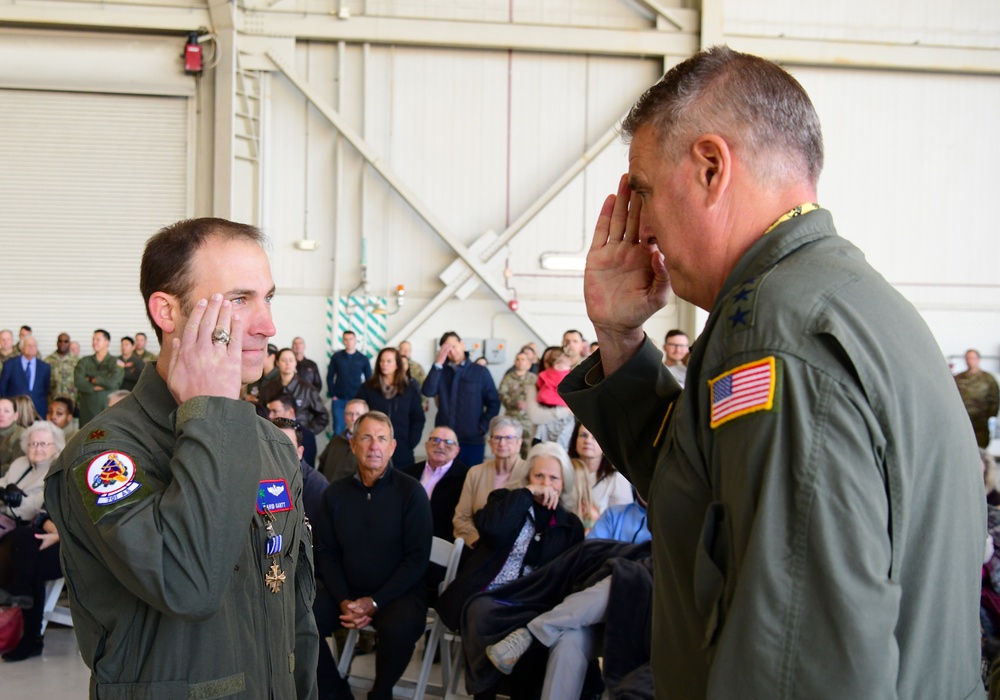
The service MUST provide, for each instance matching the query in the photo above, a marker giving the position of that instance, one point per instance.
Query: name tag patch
(111, 475)
(273, 494)
(742, 390)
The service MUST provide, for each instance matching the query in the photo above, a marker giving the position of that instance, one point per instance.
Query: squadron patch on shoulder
(742, 390)
(106, 482)
(274, 495)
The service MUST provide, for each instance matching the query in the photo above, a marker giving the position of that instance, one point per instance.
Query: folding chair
(443, 553)
(52, 612)
(441, 635)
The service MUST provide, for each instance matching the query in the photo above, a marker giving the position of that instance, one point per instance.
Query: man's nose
(258, 321)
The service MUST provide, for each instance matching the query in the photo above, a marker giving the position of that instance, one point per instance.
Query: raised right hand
(201, 367)
(625, 281)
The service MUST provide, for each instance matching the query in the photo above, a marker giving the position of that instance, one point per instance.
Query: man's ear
(165, 310)
(714, 165)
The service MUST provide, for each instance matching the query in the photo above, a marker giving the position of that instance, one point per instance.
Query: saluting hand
(200, 366)
(625, 281)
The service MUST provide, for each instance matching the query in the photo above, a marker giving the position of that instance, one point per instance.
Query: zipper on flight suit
(255, 542)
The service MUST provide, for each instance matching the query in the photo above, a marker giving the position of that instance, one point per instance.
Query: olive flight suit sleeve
(175, 548)
(796, 551)
(83, 367)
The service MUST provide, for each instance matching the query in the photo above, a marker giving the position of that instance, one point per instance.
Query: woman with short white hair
(522, 527)
(22, 488)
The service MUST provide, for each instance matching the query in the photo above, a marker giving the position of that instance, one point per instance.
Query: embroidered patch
(111, 475)
(742, 390)
(273, 494)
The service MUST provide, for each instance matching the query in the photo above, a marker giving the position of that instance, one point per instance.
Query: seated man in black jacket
(373, 542)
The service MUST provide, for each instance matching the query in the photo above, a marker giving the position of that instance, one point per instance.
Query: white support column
(223, 26)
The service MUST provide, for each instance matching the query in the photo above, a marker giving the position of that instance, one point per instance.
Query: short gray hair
(751, 102)
(58, 436)
(506, 422)
(521, 476)
(378, 417)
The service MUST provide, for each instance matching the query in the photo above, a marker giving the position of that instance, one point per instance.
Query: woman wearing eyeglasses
(32, 558)
(22, 488)
(483, 479)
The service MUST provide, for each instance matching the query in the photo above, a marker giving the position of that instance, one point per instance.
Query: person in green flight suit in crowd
(96, 376)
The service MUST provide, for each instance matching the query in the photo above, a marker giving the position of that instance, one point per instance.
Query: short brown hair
(166, 261)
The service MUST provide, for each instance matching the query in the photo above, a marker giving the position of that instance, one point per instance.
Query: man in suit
(442, 475)
(27, 375)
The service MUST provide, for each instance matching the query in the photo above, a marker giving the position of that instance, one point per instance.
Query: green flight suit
(166, 566)
(981, 397)
(63, 376)
(106, 374)
(824, 539)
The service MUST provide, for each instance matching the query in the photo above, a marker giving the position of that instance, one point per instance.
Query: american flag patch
(742, 390)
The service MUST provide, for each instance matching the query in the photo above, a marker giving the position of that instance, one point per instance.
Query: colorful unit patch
(273, 495)
(742, 390)
(111, 475)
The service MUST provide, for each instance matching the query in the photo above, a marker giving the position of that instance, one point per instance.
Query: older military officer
(814, 491)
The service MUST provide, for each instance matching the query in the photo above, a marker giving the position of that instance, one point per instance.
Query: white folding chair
(52, 611)
(443, 553)
(441, 635)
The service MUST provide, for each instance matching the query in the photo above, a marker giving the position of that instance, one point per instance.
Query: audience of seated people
(27, 556)
(514, 514)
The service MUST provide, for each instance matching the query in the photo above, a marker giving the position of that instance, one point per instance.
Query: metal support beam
(482, 35)
(511, 232)
(410, 197)
(857, 54)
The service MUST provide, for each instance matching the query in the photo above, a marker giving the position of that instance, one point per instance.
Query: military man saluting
(185, 549)
(815, 500)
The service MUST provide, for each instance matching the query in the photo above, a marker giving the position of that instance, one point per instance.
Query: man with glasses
(337, 460)
(442, 475)
(675, 350)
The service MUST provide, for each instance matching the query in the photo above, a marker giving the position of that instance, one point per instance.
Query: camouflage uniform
(63, 383)
(418, 374)
(981, 397)
(512, 391)
(3, 358)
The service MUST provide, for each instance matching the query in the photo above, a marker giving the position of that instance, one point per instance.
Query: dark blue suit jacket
(14, 382)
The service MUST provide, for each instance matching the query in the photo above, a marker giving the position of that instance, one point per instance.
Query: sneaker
(509, 650)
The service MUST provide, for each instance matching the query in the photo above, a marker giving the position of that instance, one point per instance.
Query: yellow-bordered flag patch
(742, 390)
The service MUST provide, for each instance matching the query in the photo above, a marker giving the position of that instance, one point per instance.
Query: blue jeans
(338, 406)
